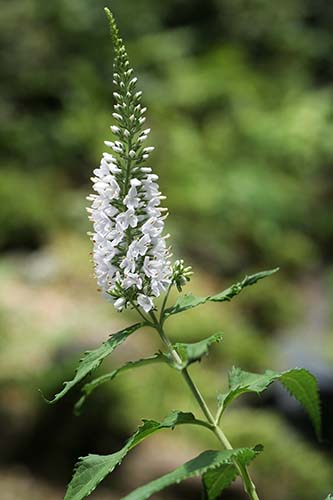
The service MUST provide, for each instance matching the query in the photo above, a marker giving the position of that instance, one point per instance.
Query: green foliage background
(240, 105)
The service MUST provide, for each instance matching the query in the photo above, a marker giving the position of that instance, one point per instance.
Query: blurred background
(240, 104)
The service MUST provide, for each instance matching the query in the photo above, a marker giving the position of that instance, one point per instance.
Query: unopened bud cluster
(132, 261)
(181, 274)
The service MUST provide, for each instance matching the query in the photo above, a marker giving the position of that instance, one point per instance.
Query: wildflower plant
(133, 267)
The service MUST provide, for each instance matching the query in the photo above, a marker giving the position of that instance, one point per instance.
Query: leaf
(92, 469)
(92, 359)
(88, 388)
(189, 301)
(216, 480)
(206, 461)
(299, 382)
(190, 353)
(329, 497)
(185, 302)
(241, 382)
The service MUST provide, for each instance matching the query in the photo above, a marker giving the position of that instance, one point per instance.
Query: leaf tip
(48, 401)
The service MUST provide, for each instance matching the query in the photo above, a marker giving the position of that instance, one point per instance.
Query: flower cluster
(131, 259)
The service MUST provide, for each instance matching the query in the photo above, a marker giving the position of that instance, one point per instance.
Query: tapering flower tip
(131, 259)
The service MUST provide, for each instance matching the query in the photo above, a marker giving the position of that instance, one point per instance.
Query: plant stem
(141, 313)
(165, 300)
(242, 469)
(166, 341)
(248, 483)
(198, 396)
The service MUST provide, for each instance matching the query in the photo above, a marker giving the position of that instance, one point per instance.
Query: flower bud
(116, 130)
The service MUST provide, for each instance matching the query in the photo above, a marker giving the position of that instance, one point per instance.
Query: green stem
(198, 396)
(248, 483)
(141, 313)
(165, 300)
(219, 415)
(177, 359)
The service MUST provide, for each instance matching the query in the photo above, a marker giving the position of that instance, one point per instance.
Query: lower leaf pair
(217, 468)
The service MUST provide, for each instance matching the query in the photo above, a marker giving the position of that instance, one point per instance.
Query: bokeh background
(240, 104)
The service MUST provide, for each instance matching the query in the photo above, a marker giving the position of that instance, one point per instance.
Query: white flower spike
(131, 260)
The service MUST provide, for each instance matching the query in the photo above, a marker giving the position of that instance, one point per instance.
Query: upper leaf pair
(189, 301)
(92, 359)
(189, 352)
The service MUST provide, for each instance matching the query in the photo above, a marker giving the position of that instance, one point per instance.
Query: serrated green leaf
(92, 469)
(216, 480)
(299, 382)
(190, 353)
(88, 388)
(189, 301)
(206, 461)
(92, 359)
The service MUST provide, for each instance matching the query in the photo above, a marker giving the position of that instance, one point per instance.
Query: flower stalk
(131, 259)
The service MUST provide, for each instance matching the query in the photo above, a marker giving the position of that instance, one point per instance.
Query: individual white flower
(115, 237)
(128, 265)
(145, 302)
(132, 279)
(151, 267)
(131, 200)
(126, 219)
(139, 247)
(159, 286)
(119, 304)
(153, 227)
